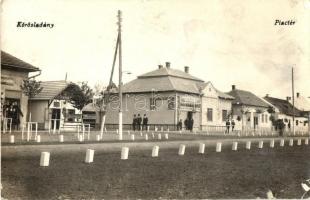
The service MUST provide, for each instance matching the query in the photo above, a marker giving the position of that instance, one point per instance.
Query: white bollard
(306, 141)
(146, 137)
(218, 147)
(132, 137)
(61, 138)
(282, 142)
(12, 139)
(45, 159)
(201, 148)
(181, 150)
(260, 144)
(148, 128)
(38, 139)
(248, 145)
(235, 146)
(155, 151)
(23, 129)
(141, 134)
(166, 136)
(81, 139)
(89, 156)
(291, 143)
(299, 142)
(124, 154)
(98, 137)
(272, 143)
(159, 136)
(153, 136)
(88, 133)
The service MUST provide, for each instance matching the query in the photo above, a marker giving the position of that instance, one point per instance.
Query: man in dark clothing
(227, 126)
(190, 124)
(186, 124)
(179, 125)
(134, 122)
(145, 122)
(139, 121)
(232, 125)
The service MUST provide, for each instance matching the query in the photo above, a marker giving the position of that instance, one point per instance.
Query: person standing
(16, 115)
(227, 126)
(139, 121)
(232, 125)
(134, 122)
(145, 122)
(186, 124)
(179, 125)
(190, 124)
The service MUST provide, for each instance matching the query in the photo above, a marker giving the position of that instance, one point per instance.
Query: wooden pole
(293, 98)
(120, 126)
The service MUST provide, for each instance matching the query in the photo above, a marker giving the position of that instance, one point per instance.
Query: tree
(79, 95)
(31, 88)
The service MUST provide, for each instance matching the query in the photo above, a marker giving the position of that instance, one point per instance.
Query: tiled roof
(51, 89)
(164, 71)
(284, 106)
(9, 61)
(162, 80)
(89, 108)
(247, 98)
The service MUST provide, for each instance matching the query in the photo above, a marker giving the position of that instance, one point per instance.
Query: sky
(222, 41)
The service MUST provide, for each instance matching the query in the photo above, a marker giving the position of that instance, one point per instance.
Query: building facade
(51, 108)
(249, 111)
(216, 108)
(14, 103)
(167, 97)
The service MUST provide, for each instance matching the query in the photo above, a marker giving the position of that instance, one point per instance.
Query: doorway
(56, 115)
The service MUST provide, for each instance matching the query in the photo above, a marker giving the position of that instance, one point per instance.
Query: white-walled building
(249, 111)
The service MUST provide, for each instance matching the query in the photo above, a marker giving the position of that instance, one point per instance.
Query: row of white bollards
(45, 156)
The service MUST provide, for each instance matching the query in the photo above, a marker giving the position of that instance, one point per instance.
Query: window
(224, 115)
(152, 104)
(171, 103)
(210, 114)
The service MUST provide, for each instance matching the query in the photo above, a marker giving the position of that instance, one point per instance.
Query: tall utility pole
(120, 116)
(293, 99)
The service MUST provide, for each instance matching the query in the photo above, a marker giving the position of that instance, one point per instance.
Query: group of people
(139, 123)
(188, 124)
(14, 112)
(230, 124)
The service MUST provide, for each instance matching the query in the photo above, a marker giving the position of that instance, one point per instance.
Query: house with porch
(303, 104)
(14, 103)
(249, 111)
(51, 108)
(285, 111)
(168, 96)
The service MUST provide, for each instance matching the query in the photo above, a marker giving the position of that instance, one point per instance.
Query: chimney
(160, 66)
(267, 95)
(233, 87)
(297, 94)
(186, 69)
(288, 98)
(167, 65)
